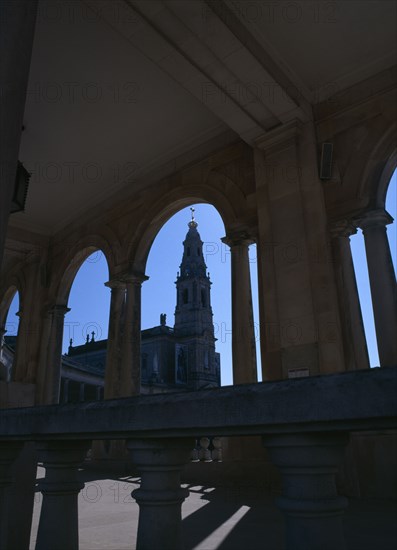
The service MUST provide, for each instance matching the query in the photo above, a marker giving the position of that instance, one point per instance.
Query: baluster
(205, 454)
(217, 452)
(160, 496)
(195, 452)
(312, 507)
(9, 451)
(58, 526)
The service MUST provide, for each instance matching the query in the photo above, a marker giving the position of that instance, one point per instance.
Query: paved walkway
(215, 519)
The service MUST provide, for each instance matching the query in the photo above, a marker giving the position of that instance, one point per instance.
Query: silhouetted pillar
(4, 374)
(312, 508)
(3, 332)
(53, 353)
(9, 451)
(18, 364)
(58, 526)
(16, 39)
(131, 348)
(383, 283)
(123, 358)
(160, 462)
(354, 340)
(112, 371)
(243, 330)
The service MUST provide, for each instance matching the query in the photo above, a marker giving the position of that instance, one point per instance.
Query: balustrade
(302, 428)
(207, 449)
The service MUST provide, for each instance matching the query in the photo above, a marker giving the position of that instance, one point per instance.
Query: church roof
(87, 347)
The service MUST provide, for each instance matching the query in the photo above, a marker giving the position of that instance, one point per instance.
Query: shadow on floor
(234, 519)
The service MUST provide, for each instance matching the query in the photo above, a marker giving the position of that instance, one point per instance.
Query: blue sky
(89, 298)
(360, 265)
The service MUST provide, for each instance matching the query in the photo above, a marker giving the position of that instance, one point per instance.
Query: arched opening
(9, 333)
(361, 268)
(85, 332)
(391, 207)
(253, 259)
(185, 303)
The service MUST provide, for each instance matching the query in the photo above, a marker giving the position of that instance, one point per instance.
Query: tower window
(198, 252)
(203, 298)
(185, 296)
(188, 251)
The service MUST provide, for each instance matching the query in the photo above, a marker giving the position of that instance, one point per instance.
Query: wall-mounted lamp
(326, 161)
(20, 189)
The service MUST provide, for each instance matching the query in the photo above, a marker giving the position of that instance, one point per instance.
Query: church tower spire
(193, 264)
(193, 312)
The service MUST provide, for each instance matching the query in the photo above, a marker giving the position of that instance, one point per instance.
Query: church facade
(181, 357)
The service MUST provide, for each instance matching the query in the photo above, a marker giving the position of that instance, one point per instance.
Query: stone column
(160, 496)
(312, 508)
(42, 365)
(383, 283)
(9, 451)
(113, 351)
(123, 358)
(53, 354)
(355, 344)
(3, 372)
(30, 325)
(58, 526)
(16, 39)
(131, 348)
(299, 303)
(243, 331)
(19, 361)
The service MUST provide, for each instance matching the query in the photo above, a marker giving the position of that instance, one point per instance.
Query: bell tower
(194, 327)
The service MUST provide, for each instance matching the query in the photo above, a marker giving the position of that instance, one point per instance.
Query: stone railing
(207, 449)
(305, 424)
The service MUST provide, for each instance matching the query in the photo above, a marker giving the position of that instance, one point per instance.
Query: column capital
(374, 218)
(114, 284)
(237, 238)
(58, 310)
(122, 279)
(343, 228)
(280, 137)
(135, 278)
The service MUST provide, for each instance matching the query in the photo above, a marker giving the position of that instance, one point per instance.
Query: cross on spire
(192, 222)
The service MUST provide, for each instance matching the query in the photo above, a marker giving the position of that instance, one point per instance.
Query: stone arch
(382, 160)
(13, 282)
(384, 180)
(6, 301)
(182, 196)
(67, 269)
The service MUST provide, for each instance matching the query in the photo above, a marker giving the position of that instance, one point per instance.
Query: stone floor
(215, 518)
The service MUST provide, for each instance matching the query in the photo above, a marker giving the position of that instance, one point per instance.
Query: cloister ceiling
(119, 89)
